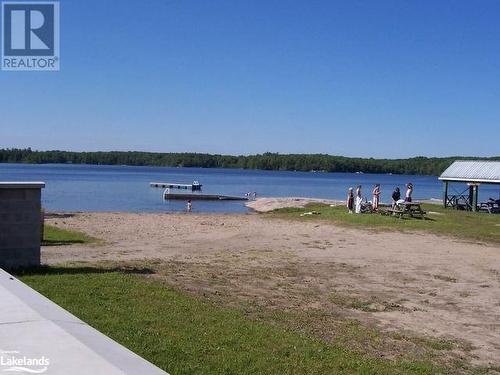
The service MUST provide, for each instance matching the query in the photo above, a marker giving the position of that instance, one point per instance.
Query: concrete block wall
(20, 215)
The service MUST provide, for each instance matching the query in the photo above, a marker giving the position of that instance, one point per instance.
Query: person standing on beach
(350, 200)
(189, 205)
(409, 192)
(376, 196)
(396, 195)
(359, 199)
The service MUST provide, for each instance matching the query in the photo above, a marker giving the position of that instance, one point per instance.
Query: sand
(419, 283)
(270, 204)
(273, 203)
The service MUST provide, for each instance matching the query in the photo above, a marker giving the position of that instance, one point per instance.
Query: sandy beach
(273, 203)
(270, 204)
(419, 283)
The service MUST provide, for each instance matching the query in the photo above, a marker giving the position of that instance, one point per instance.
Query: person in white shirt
(376, 196)
(359, 199)
(409, 192)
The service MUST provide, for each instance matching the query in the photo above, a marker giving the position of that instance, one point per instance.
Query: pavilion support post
(445, 194)
(475, 189)
(471, 196)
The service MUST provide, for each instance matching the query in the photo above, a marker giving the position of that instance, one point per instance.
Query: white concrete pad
(38, 336)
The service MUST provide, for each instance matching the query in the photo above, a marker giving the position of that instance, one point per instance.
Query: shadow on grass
(61, 242)
(414, 218)
(59, 270)
(56, 215)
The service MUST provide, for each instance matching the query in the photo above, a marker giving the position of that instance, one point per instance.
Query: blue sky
(355, 78)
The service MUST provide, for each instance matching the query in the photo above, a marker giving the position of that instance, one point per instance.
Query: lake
(126, 188)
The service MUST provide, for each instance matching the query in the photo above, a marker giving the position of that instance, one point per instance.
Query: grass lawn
(53, 236)
(461, 224)
(183, 334)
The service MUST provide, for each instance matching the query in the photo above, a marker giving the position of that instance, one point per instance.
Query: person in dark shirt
(350, 200)
(396, 195)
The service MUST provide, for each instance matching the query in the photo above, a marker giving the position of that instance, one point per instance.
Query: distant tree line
(267, 161)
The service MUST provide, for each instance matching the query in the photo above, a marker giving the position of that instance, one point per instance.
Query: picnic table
(411, 209)
(491, 206)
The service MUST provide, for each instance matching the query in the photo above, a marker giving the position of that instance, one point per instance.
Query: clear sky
(355, 78)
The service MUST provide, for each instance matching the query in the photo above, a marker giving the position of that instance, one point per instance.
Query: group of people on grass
(355, 200)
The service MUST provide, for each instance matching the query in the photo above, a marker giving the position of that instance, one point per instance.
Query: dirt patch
(432, 287)
(270, 204)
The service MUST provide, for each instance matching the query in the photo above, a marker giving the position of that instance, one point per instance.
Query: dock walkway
(205, 197)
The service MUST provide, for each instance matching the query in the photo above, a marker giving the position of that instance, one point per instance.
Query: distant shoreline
(267, 161)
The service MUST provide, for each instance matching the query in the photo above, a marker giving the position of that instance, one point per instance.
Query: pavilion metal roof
(473, 171)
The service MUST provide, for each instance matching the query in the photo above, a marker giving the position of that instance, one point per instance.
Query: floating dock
(167, 185)
(205, 197)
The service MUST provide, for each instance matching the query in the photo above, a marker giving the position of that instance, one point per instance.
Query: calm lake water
(124, 188)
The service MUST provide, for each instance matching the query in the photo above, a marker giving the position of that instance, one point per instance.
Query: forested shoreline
(266, 161)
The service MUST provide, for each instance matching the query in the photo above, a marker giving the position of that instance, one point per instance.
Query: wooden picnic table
(411, 209)
(492, 206)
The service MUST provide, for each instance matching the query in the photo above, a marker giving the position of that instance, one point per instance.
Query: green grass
(183, 334)
(461, 224)
(53, 236)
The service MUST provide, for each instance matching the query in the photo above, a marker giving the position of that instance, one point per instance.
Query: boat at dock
(195, 186)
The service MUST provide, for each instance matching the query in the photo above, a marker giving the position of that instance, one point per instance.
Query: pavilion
(473, 173)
